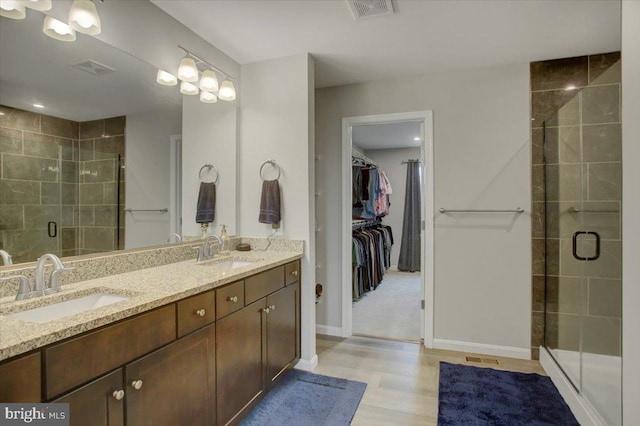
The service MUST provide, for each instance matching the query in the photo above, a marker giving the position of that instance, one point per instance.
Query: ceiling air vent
(361, 9)
(93, 67)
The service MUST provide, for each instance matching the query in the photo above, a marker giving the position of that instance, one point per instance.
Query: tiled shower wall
(554, 92)
(101, 158)
(35, 190)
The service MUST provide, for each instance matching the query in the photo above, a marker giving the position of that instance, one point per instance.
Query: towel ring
(273, 163)
(209, 167)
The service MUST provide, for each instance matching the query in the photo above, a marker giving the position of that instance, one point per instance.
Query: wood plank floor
(402, 378)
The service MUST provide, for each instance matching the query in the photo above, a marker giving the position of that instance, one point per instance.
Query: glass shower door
(583, 246)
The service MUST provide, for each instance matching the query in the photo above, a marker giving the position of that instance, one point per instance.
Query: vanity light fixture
(83, 17)
(227, 91)
(209, 81)
(187, 88)
(12, 9)
(208, 97)
(41, 5)
(188, 71)
(58, 29)
(166, 79)
(38, 105)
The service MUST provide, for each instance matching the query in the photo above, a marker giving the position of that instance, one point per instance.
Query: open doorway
(384, 285)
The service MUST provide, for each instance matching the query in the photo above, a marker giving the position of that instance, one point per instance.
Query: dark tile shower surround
(31, 184)
(598, 78)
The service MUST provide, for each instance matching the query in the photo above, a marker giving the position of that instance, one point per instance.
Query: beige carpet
(392, 311)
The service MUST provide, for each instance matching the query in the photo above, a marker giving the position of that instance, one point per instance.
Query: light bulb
(83, 17)
(42, 5)
(58, 30)
(209, 81)
(12, 9)
(227, 91)
(188, 71)
(208, 97)
(187, 88)
(166, 79)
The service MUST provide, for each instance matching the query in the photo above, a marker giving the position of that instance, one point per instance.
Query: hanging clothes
(370, 191)
(371, 257)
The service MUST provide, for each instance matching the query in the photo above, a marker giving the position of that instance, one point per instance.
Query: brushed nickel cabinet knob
(272, 307)
(294, 273)
(118, 395)
(136, 384)
(233, 299)
(201, 312)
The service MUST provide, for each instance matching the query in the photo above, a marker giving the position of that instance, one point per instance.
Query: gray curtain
(410, 246)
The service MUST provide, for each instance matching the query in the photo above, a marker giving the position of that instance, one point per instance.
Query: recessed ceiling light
(570, 87)
(38, 105)
(416, 138)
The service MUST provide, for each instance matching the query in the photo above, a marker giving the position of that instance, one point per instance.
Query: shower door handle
(52, 229)
(575, 245)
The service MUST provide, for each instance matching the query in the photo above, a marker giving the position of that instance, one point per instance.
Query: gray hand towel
(206, 210)
(270, 202)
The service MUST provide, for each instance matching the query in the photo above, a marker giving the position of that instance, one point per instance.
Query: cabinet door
(239, 361)
(97, 403)
(174, 385)
(20, 379)
(282, 331)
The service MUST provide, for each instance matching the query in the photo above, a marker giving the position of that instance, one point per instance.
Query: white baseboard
(329, 330)
(581, 409)
(307, 364)
(481, 348)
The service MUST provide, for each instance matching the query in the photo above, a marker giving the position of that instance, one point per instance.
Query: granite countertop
(147, 289)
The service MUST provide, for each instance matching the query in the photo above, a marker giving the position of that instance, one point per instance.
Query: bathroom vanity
(194, 343)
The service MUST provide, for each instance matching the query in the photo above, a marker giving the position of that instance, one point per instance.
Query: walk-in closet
(385, 230)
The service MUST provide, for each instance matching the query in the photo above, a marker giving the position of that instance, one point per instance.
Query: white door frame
(175, 184)
(426, 118)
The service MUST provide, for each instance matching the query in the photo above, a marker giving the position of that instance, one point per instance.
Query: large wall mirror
(90, 147)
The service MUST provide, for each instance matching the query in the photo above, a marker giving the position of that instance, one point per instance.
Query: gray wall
(482, 157)
(630, 209)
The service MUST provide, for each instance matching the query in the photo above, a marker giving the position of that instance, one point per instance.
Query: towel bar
(516, 210)
(165, 210)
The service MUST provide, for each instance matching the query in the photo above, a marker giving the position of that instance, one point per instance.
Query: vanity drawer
(265, 283)
(292, 272)
(229, 299)
(196, 312)
(83, 358)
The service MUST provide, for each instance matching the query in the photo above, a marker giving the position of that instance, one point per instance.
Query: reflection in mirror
(72, 115)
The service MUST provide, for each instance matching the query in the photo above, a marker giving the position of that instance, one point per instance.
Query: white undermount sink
(229, 263)
(68, 307)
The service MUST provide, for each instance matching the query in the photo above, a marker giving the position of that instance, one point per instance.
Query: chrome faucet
(6, 257)
(24, 291)
(40, 288)
(205, 252)
(175, 234)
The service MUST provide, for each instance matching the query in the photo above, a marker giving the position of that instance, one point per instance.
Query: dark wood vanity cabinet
(257, 344)
(203, 360)
(99, 403)
(20, 379)
(174, 385)
(239, 361)
(282, 332)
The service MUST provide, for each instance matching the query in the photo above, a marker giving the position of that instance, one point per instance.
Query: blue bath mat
(302, 398)
(484, 396)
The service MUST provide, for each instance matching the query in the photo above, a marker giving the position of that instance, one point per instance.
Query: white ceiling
(422, 37)
(38, 69)
(387, 135)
